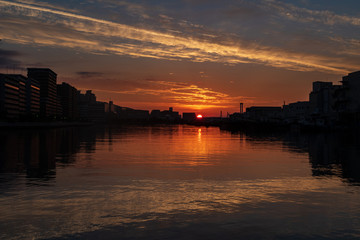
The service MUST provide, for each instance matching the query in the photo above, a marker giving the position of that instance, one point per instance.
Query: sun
(199, 116)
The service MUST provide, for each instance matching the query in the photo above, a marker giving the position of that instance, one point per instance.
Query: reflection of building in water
(88, 139)
(329, 153)
(336, 154)
(67, 145)
(35, 152)
(31, 152)
(10, 154)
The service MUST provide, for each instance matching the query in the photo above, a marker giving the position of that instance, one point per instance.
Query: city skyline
(198, 56)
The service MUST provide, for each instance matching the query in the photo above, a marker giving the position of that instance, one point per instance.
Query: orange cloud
(97, 35)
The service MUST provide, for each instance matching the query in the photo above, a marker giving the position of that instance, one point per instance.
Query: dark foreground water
(178, 182)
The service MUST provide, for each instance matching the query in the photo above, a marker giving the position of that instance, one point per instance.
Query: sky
(202, 56)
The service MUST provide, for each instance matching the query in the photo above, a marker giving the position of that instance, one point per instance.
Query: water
(178, 182)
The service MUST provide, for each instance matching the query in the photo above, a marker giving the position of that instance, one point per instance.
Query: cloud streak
(89, 74)
(306, 15)
(7, 59)
(45, 26)
(182, 94)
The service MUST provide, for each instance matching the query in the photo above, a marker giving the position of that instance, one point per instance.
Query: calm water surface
(178, 182)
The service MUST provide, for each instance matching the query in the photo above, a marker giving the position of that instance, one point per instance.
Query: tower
(48, 96)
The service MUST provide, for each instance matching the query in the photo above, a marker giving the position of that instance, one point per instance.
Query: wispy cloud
(89, 74)
(7, 59)
(47, 26)
(47, 5)
(307, 15)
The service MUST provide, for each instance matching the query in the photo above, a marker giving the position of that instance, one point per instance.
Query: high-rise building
(9, 97)
(12, 96)
(32, 97)
(22, 92)
(19, 96)
(48, 96)
(69, 100)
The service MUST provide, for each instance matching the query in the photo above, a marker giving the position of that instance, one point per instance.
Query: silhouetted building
(125, 113)
(167, 115)
(69, 100)
(98, 112)
(92, 110)
(347, 96)
(9, 97)
(321, 98)
(155, 114)
(48, 95)
(264, 113)
(295, 112)
(22, 93)
(85, 100)
(33, 97)
(112, 107)
(189, 117)
(12, 96)
(88, 97)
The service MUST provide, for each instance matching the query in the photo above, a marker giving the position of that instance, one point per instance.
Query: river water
(178, 182)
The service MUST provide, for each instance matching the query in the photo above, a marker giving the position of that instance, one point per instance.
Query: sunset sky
(205, 56)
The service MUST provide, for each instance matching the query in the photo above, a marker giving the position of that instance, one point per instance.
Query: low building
(189, 116)
(167, 115)
(321, 98)
(295, 112)
(130, 114)
(98, 112)
(90, 109)
(264, 114)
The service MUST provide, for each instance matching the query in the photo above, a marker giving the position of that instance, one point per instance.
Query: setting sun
(199, 116)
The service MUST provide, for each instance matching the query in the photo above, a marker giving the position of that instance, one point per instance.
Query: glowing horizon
(146, 55)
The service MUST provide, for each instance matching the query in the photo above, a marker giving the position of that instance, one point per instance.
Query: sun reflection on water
(157, 174)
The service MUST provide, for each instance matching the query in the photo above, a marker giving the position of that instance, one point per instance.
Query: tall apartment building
(9, 97)
(69, 100)
(12, 96)
(33, 97)
(48, 95)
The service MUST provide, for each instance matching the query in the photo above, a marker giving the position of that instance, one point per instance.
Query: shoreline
(15, 125)
(223, 124)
